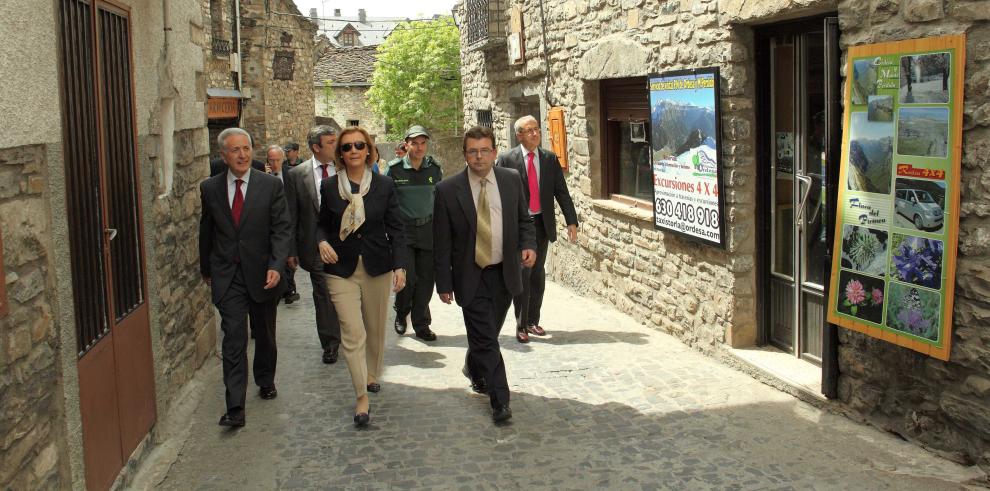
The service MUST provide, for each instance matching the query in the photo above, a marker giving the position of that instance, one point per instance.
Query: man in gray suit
(302, 188)
(244, 238)
(483, 237)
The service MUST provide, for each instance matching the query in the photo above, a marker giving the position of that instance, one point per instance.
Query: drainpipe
(237, 49)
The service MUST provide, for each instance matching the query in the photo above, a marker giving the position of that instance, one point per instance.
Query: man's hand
(399, 280)
(208, 280)
(271, 281)
(446, 297)
(572, 233)
(528, 258)
(292, 262)
(327, 254)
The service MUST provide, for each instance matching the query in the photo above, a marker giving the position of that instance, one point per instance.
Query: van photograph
(919, 204)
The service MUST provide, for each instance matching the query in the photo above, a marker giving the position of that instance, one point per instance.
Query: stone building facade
(47, 418)
(591, 58)
(348, 72)
(263, 54)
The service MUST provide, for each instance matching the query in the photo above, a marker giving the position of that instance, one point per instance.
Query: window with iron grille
(485, 22)
(353, 122)
(484, 117)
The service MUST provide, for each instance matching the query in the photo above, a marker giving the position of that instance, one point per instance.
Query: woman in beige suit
(361, 244)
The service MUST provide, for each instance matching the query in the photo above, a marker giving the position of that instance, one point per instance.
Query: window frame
(613, 112)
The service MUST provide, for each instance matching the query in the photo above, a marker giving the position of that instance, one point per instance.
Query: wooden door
(116, 378)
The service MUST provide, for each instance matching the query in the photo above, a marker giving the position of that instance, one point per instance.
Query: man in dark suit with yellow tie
(543, 182)
(483, 237)
(244, 237)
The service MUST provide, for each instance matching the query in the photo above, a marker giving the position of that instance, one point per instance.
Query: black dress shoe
(293, 297)
(268, 392)
(374, 387)
(287, 298)
(426, 334)
(479, 386)
(232, 420)
(400, 327)
(501, 413)
(362, 419)
(330, 355)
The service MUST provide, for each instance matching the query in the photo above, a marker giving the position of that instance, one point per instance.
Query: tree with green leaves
(328, 98)
(417, 78)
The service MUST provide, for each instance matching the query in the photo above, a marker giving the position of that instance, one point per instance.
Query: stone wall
(30, 378)
(276, 110)
(704, 295)
(942, 405)
(347, 103)
(218, 27)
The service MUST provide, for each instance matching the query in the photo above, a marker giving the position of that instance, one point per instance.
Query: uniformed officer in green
(415, 176)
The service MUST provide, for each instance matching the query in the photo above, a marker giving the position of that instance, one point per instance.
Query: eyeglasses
(356, 145)
(484, 152)
(531, 131)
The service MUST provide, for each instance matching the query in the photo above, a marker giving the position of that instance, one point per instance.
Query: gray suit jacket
(552, 186)
(259, 244)
(304, 206)
(455, 226)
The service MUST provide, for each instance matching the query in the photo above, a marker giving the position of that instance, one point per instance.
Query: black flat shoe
(362, 419)
(268, 392)
(400, 327)
(374, 387)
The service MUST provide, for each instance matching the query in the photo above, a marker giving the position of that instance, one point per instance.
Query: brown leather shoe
(522, 337)
(536, 330)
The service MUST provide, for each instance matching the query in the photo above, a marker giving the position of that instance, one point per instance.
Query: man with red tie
(244, 237)
(543, 182)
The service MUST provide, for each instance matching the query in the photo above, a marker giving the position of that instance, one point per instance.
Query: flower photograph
(913, 310)
(864, 250)
(916, 260)
(861, 296)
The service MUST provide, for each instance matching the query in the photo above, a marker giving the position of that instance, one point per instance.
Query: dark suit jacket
(259, 244)
(218, 166)
(455, 227)
(380, 241)
(552, 185)
(304, 206)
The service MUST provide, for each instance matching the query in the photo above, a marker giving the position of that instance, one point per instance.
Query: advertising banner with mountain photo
(894, 259)
(685, 147)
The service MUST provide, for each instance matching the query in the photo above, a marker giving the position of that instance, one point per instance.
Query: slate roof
(346, 66)
(373, 30)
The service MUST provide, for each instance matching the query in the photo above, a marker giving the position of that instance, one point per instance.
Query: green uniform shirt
(414, 190)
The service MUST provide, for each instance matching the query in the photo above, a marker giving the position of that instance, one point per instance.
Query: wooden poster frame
(956, 44)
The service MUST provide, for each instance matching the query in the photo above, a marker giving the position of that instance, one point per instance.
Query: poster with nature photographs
(894, 257)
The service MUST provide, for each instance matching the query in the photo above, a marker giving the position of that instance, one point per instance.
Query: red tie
(238, 205)
(534, 184)
(323, 167)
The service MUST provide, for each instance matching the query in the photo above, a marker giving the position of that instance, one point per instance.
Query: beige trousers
(362, 307)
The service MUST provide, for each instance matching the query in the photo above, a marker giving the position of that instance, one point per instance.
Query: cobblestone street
(601, 403)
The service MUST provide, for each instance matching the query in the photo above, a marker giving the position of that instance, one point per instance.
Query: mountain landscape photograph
(871, 150)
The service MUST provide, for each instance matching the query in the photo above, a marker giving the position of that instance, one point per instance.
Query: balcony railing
(221, 47)
(485, 22)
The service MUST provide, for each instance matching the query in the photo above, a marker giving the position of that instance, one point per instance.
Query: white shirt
(318, 175)
(232, 186)
(494, 209)
(536, 163)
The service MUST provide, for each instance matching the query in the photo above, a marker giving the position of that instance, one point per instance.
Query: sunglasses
(356, 145)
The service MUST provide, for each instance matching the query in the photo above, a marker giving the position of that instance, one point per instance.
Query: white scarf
(354, 213)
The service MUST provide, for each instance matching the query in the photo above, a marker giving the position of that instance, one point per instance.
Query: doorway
(798, 83)
(106, 237)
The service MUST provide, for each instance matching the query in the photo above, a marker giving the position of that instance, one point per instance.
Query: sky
(378, 8)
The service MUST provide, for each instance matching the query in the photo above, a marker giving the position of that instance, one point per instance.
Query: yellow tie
(483, 242)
